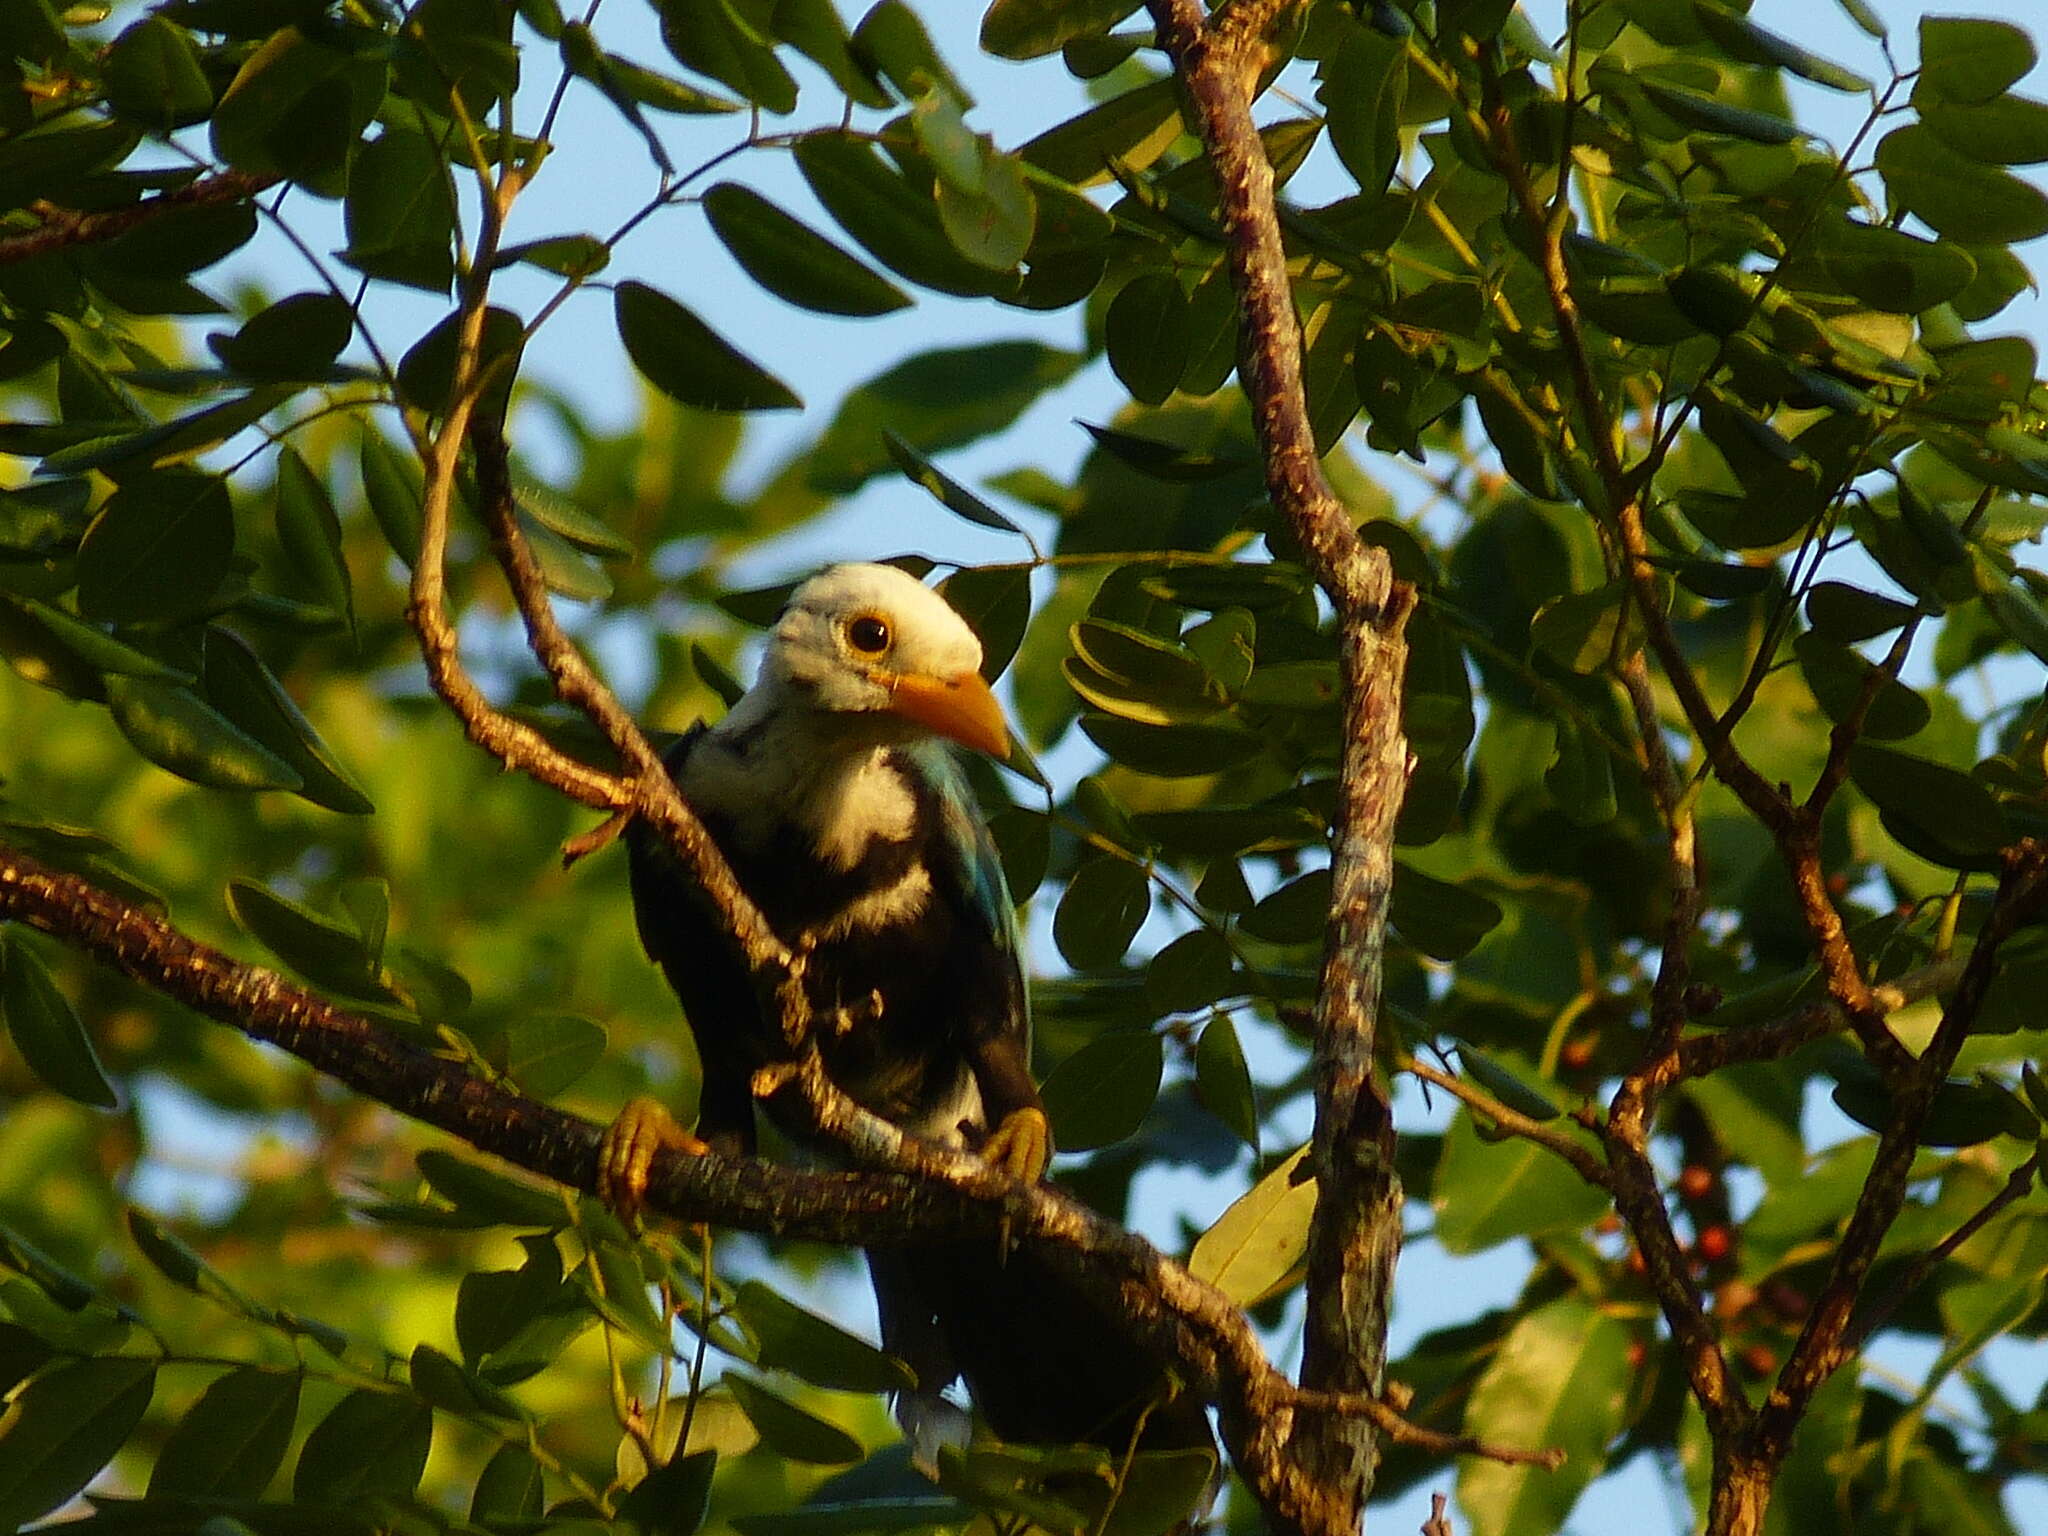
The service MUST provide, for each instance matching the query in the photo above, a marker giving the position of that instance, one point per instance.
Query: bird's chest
(880, 948)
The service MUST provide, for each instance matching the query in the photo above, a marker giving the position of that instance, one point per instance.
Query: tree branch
(931, 1193)
(63, 228)
(1355, 1234)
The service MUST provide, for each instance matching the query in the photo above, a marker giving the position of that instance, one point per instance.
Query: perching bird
(832, 793)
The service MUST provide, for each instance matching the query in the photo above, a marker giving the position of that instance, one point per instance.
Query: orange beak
(959, 708)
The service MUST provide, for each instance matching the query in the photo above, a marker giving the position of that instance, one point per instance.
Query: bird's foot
(626, 1154)
(606, 832)
(1021, 1146)
(858, 1015)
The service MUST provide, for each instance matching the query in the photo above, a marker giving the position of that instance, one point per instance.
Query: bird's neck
(764, 770)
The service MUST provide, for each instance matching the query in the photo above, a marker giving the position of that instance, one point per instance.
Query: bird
(832, 789)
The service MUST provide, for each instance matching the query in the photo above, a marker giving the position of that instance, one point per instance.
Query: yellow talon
(1021, 1146)
(643, 1128)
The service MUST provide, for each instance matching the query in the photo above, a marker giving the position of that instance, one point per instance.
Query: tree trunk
(1741, 1493)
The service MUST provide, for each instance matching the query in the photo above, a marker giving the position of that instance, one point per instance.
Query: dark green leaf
(804, 1344)
(1442, 920)
(1363, 87)
(1296, 913)
(1146, 332)
(427, 374)
(1741, 38)
(1710, 115)
(63, 1427)
(1840, 678)
(789, 1430)
(1968, 59)
(688, 361)
(948, 492)
(1506, 1086)
(309, 534)
(1487, 1192)
(232, 1441)
(2007, 130)
(158, 549)
(323, 951)
(892, 219)
(1101, 911)
(672, 1500)
(1976, 204)
(1173, 751)
(1030, 29)
(296, 338)
(1847, 614)
(547, 1054)
(177, 730)
(153, 77)
(793, 261)
(1191, 973)
(1103, 1091)
(509, 1488)
(1130, 130)
(484, 1192)
(1934, 810)
(710, 37)
(46, 1029)
(400, 212)
(1224, 1082)
(369, 1443)
(391, 485)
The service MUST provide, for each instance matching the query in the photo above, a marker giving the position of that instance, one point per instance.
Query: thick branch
(933, 1192)
(1355, 1236)
(62, 228)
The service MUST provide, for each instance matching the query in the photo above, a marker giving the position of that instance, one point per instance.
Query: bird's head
(875, 653)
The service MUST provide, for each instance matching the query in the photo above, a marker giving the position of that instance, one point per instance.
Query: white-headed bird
(832, 791)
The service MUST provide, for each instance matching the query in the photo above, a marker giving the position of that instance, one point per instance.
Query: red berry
(1714, 1243)
(1695, 1181)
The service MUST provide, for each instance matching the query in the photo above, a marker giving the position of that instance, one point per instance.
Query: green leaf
(1030, 29)
(564, 255)
(1173, 751)
(793, 261)
(295, 109)
(1189, 974)
(309, 533)
(941, 399)
(231, 1442)
(510, 1487)
(1937, 812)
(153, 77)
(1146, 333)
(1976, 204)
(789, 1430)
(1960, 1115)
(400, 214)
(1839, 677)
(1588, 632)
(688, 361)
(806, 1345)
(392, 486)
(1101, 911)
(896, 222)
(996, 603)
(672, 1500)
(1560, 1379)
(1506, 1086)
(446, 1385)
(947, 491)
(1581, 777)
(1443, 920)
(158, 550)
(1969, 59)
(1486, 1192)
(326, 953)
(547, 1054)
(1363, 87)
(1102, 1092)
(370, 1443)
(63, 1427)
(1162, 461)
(487, 1194)
(46, 1029)
(893, 43)
(1710, 115)
(1296, 913)
(427, 372)
(710, 37)
(1740, 38)
(2007, 130)
(250, 697)
(177, 730)
(1847, 614)
(1260, 1241)
(1131, 130)
(297, 338)
(1223, 1081)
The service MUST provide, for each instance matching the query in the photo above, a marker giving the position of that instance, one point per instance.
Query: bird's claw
(1021, 1146)
(627, 1152)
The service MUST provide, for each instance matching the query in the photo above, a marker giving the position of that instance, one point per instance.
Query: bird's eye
(868, 634)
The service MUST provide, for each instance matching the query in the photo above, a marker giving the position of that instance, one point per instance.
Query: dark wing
(994, 1027)
(706, 973)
